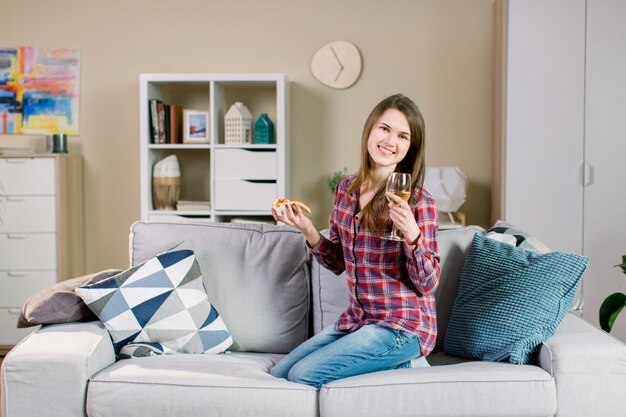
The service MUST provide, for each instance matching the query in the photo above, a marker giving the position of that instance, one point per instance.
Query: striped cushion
(510, 300)
(513, 235)
(160, 306)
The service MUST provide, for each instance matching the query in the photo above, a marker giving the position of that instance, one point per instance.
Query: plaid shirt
(391, 283)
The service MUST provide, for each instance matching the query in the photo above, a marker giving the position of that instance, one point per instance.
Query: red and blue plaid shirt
(391, 283)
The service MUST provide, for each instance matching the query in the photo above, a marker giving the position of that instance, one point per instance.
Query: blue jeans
(333, 354)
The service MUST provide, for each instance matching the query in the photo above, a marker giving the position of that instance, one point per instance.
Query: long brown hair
(413, 162)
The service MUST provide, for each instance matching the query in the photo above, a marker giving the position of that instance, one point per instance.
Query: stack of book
(189, 205)
(166, 122)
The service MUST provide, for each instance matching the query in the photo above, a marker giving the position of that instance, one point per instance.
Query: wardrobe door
(605, 154)
(545, 120)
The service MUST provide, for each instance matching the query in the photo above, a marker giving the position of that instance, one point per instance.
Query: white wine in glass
(398, 183)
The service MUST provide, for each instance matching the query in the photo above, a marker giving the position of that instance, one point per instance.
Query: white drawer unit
(9, 333)
(29, 214)
(27, 176)
(27, 251)
(18, 286)
(244, 195)
(246, 164)
(41, 230)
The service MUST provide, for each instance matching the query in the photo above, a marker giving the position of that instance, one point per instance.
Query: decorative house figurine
(238, 122)
(263, 130)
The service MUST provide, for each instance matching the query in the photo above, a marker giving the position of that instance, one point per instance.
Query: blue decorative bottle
(263, 130)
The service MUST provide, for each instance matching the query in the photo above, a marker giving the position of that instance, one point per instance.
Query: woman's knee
(279, 371)
(302, 374)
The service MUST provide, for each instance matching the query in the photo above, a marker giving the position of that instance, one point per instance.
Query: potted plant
(612, 305)
(334, 178)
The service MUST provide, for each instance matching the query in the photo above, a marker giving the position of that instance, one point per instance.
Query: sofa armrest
(589, 367)
(47, 373)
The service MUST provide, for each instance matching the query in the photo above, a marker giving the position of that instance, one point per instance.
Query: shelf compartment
(187, 94)
(259, 97)
(195, 168)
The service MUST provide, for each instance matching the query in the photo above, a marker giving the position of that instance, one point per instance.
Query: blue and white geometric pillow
(160, 306)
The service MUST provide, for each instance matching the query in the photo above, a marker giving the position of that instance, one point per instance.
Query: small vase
(166, 183)
(263, 130)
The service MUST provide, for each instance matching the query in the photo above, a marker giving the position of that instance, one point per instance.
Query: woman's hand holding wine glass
(398, 193)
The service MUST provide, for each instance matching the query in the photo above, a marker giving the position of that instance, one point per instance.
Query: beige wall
(439, 52)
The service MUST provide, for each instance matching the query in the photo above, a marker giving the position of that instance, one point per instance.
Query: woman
(391, 319)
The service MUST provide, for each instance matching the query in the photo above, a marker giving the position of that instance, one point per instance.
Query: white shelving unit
(238, 180)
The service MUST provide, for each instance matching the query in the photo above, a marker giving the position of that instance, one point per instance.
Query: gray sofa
(272, 296)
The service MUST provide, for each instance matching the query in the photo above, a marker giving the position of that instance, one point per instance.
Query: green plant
(612, 305)
(334, 178)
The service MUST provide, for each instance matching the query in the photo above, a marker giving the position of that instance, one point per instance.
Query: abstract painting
(39, 90)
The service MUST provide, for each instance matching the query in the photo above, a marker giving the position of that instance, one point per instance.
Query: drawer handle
(14, 310)
(17, 199)
(16, 274)
(18, 160)
(261, 150)
(262, 181)
(14, 236)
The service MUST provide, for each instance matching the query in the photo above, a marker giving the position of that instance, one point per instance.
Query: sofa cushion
(453, 247)
(513, 235)
(510, 300)
(248, 269)
(233, 384)
(161, 302)
(510, 233)
(470, 389)
(59, 303)
(330, 292)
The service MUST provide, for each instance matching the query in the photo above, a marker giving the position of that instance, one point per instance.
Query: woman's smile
(385, 150)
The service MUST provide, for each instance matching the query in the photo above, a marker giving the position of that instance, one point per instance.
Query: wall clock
(337, 64)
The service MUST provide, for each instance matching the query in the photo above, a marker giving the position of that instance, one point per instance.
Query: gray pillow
(330, 295)
(330, 292)
(453, 247)
(59, 303)
(256, 276)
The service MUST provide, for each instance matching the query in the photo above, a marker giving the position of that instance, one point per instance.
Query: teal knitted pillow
(510, 300)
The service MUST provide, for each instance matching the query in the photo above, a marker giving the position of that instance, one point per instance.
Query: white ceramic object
(448, 186)
(166, 183)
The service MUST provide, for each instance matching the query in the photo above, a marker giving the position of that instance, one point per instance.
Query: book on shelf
(190, 205)
(154, 121)
(161, 121)
(176, 123)
(165, 122)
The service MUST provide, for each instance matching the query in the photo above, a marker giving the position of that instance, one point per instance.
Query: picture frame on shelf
(196, 126)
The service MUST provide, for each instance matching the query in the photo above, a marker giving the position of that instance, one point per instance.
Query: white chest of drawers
(41, 230)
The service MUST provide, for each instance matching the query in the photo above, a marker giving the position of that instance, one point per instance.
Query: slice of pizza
(280, 204)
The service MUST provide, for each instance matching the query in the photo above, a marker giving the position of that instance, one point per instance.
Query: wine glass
(398, 183)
